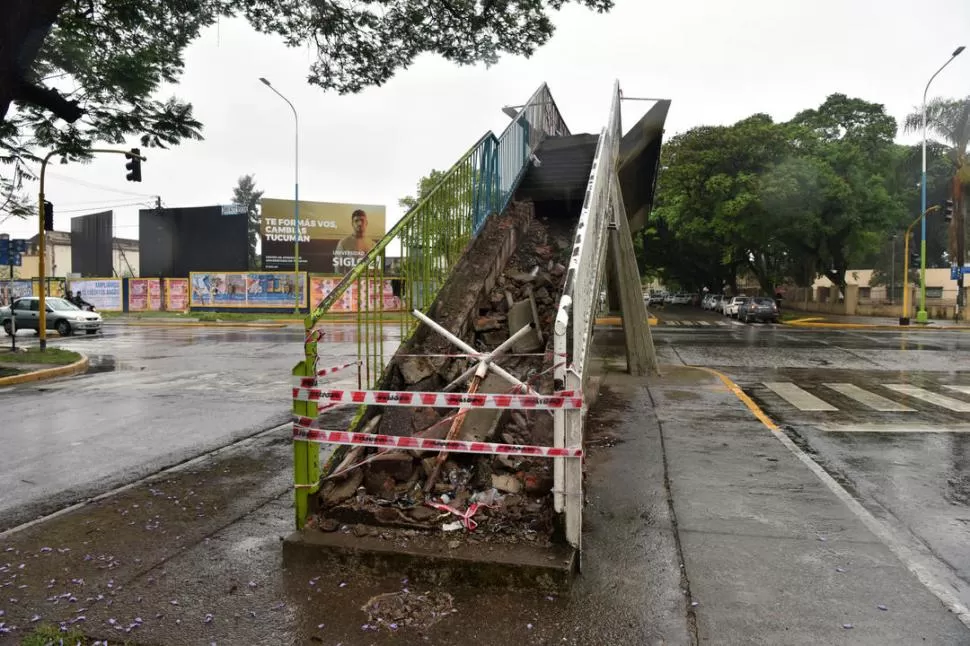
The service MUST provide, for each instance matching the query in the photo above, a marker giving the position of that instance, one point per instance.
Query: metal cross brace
(487, 357)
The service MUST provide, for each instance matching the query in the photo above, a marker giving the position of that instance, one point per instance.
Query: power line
(103, 207)
(102, 187)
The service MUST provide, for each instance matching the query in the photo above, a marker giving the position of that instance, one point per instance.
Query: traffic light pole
(904, 319)
(42, 242)
(13, 317)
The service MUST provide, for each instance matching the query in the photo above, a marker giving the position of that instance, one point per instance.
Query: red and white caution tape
(326, 372)
(302, 430)
(441, 400)
(464, 516)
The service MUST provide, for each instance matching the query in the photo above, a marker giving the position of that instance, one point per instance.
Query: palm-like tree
(949, 120)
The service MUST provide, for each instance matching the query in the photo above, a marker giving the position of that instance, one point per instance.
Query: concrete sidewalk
(700, 527)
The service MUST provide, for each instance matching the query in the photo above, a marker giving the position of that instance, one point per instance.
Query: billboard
(352, 298)
(104, 293)
(176, 241)
(91, 237)
(176, 294)
(144, 294)
(333, 237)
(14, 289)
(246, 289)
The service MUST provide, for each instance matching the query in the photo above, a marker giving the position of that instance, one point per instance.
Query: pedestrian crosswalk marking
(963, 390)
(934, 398)
(872, 400)
(797, 397)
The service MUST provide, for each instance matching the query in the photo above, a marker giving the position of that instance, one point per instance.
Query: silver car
(62, 315)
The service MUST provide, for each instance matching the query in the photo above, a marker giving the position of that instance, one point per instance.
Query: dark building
(177, 241)
(91, 238)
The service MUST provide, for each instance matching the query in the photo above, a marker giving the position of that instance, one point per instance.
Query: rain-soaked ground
(153, 397)
(699, 525)
(886, 413)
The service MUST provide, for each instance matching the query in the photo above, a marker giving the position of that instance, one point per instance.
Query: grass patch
(49, 635)
(51, 356)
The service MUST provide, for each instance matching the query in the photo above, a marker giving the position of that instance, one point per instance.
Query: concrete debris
(337, 491)
(506, 483)
(406, 609)
(414, 369)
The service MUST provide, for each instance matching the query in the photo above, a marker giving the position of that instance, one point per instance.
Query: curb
(205, 324)
(79, 366)
(618, 320)
(872, 326)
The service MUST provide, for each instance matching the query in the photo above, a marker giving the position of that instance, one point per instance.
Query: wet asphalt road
(886, 413)
(152, 398)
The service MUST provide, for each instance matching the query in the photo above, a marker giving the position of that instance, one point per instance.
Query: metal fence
(432, 236)
(430, 239)
(577, 313)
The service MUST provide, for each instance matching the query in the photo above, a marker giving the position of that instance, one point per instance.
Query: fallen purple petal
(112, 621)
(174, 602)
(882, 607)
(208, 619)
(44, 550)
(393, 626)
(252, 584)
(343, 585)
(840, 569)
(35, 619)
(529, 626)
(848, 626)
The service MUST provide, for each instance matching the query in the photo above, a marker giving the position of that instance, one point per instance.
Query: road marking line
(891, 428)
(703, 322)
(800, 399)
(872, 400)
(963, 390)
(914, 555)
(934, 398)
(721, 323)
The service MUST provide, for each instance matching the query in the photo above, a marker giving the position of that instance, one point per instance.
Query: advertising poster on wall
(176, 294)
(11, 289)
(320, 288)
(247, 290)
(350, 300)
(333, 237)
(104, 293)
(144, 294)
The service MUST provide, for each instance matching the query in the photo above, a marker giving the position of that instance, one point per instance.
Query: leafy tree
(246, 195)
(851, 143)
(85, 71)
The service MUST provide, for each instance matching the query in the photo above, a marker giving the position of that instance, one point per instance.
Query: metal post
(296, 191)
(892, 283)
(921, 316)
(13, 318)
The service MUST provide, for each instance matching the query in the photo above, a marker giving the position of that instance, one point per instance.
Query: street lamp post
(921, 316)
(296, 196)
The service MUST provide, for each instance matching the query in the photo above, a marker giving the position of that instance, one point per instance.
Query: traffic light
(48, 216)
(948, 211)
(133, 165)
(913, 257)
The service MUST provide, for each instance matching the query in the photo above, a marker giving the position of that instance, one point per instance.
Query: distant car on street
(731, 307)
(62, 315)
(760, 308)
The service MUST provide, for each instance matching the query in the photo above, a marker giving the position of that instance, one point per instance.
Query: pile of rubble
(482, 497)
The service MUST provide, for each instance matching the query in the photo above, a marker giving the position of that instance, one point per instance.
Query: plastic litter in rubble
(848, 626)
(840, 569)
(451, 527)
(882, 607)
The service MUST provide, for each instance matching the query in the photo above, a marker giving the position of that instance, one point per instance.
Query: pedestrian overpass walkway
(501, 269)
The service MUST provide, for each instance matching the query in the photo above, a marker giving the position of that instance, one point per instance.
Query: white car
(731, 308)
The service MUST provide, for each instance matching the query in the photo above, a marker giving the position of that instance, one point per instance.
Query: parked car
(759, 308)
(711, 301)
(62, 315)
(681, 299)
(731, 308)
(721, 304)
(656, 298)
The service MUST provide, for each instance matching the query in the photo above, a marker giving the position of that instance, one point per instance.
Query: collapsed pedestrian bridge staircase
(500, 271)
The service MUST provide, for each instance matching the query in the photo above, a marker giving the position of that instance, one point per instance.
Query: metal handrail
(576, 312)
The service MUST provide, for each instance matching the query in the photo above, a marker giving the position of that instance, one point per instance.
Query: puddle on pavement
(98, 363)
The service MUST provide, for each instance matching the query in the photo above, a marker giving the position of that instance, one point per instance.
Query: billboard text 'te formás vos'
(333, 237)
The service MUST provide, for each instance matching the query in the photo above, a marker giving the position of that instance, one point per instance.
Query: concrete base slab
(427, 559)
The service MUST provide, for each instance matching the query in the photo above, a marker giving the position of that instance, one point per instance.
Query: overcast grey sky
(717, 60)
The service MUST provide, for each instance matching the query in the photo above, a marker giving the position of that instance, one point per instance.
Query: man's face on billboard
(359, 222)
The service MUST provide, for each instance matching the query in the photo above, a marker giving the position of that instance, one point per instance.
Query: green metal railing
(429, 240)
